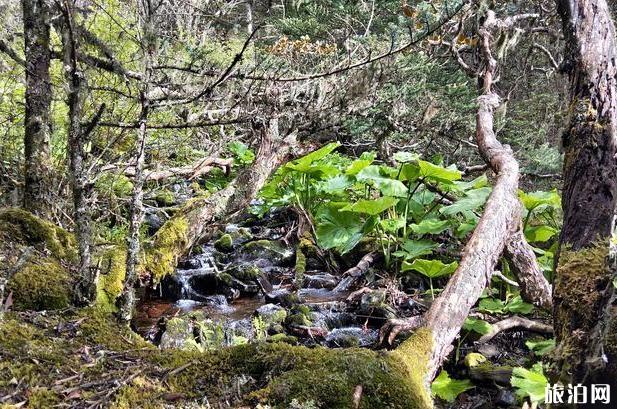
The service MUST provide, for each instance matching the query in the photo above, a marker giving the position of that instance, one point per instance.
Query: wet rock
(271, 314)
(505, 398)
(239, 235)
(350, 337)
(282, 297)
(271, 250)
(190, 264)
(247, 272)
(327, 281)
(489, 350)
(153, 220)
(178, 334)
(224, 244)
(374, 305)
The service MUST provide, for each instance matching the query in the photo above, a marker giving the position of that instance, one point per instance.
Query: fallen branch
(515, 322)
(190, 172)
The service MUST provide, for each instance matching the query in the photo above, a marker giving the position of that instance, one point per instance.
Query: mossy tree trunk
(584, 294)
(37, 125)
(149, 47)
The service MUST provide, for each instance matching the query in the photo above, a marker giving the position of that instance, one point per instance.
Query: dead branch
(190, 172)
(515, 322)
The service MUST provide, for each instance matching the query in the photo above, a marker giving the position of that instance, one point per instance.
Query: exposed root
(390, 330)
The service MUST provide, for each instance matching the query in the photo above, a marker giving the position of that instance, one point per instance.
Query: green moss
(225, 243)
(20, 226)
(279, 373)
(42, 398)
(300, 267)
(247, 272)
(168, 244)
(141, 393)
(42, 285)
(117, 185)
(165, 198)
(112, 263)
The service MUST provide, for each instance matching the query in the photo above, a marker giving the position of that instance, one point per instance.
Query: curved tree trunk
(501, 218)
(535, 288)
(584, 294)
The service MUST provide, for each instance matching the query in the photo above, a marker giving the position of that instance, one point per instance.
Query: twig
(515, 322)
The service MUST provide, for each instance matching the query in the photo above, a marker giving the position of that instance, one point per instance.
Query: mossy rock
(161, 256)
(112, 184)
(225, 243)
(41, 285)
(271, 314)
(247, 272)
(178, 334)
(22, 227)
(165, 198)
(271, 250)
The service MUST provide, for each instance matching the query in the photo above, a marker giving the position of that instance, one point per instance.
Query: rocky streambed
(253, 283)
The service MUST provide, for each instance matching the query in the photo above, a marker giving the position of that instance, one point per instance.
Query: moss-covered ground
(83, 358)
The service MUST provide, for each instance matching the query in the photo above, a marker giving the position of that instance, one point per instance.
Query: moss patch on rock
(41, 285)
(22, 227)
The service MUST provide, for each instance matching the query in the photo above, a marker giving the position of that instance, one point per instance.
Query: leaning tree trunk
(199, 217)
(37, 127)
(584, 294)
(500, 220)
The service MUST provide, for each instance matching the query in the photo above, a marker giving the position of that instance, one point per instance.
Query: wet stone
(327, 281)
(351, 337)
(271, 314)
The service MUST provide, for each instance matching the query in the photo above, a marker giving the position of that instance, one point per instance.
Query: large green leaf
(430, 268)
(430, 226)
(539, 234)
(404, 157)
(517, 306)
(335, 185)
(438, 173)
(335, 228)
(415, 248)
(477, 183)
(371, 207)
(539, 199)
(473, 199)
(447, 388)
(304, 163)
(541, 348)
(530, 383)
(477, 325)
(377, 175)
(392, 225)
(362, 162)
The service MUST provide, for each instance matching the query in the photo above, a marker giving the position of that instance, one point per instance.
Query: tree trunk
(196, 220)
(501, 218)
(36, 15)
(584, 294)
(77, 167)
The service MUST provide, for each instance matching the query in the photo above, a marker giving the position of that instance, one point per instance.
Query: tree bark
(86, 288)
(37, 125)
(126, 302)
(584, 295)
(534, 286)
(501, 218)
